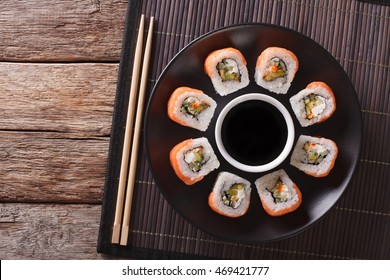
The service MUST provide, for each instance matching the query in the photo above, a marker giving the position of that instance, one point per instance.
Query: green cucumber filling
(195, 159)
(314, 105)
(315, 152)
(280, 192)
(193, 106)
(228, 70)
(234, 195)
(276, 69)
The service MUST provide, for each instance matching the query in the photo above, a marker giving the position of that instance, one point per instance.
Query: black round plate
(319, 194)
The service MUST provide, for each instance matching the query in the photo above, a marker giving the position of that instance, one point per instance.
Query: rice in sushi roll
(227, 70)
(279, 195)
(275, 69)
(315, 156)
(193, 159)
(230, 196)
(191, 107)
(314, 104)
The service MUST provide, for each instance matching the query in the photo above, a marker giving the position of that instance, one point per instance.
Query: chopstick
(136, 137)
(128, 132)
(120, 230)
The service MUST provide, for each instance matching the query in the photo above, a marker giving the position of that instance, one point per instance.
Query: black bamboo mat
(357, 34)
(380, 2)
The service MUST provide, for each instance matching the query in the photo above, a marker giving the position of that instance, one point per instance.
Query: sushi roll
(193, 159)
(275, 69)
(230, 196)
(314, 104)
(315, 156)
(227, 70)
(191, 107)
(278, 194)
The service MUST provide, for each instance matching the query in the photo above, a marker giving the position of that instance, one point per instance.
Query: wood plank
(66, 30)
(44, 231)
(52, 167)
(58, 97)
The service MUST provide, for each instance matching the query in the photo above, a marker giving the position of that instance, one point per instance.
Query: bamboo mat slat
(357, 34)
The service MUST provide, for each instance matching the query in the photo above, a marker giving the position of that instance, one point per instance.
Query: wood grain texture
(46, 231)
(52, 167)
(67, 30)
(72, 98)
(55, 122)
(58, 76)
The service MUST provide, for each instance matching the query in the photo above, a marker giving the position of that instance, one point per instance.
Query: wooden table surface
(58, 73)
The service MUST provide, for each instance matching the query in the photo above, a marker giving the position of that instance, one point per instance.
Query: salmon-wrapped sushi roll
(193, 159)
(314, 104)
(279, 195)
(191, 107)
(315, 156)
(230, 196)
(227, 70)
(275, 69)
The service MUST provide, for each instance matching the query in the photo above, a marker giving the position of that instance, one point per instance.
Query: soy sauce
(254, 132)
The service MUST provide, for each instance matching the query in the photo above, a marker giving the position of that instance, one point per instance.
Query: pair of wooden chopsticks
(132, 135)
